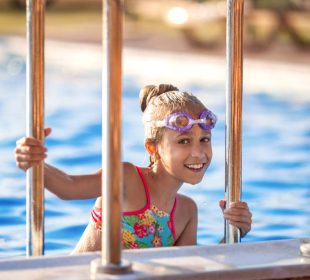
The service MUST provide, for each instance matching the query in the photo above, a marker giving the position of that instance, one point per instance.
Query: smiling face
(185, 155)
(179, 149)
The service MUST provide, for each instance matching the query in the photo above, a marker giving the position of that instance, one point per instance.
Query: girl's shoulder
(129, 168)
(132, 183)
(130, 173)
(185, 219)
(186, 205)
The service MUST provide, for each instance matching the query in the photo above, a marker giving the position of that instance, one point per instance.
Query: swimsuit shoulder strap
(146, 188)
(172, 216)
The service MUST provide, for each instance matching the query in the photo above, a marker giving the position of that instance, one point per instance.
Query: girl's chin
(195, 178)
(194, 181)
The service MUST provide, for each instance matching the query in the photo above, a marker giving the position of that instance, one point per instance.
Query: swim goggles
(182, 121)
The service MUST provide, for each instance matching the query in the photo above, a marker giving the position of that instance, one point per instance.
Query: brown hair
(150, 91)
(158, 101)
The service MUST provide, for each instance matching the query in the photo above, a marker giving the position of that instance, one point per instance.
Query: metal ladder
(111, 261)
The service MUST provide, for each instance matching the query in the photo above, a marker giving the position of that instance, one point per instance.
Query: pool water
(276, 152)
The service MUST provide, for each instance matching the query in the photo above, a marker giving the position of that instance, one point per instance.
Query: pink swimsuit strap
(148, 203)
(148, 198)
(96, 213)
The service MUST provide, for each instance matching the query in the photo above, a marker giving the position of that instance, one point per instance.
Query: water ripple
(276, 152)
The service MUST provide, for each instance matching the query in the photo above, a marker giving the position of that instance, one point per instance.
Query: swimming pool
(276, 139)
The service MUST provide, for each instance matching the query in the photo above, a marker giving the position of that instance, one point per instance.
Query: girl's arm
(30, 152)
(72, 186)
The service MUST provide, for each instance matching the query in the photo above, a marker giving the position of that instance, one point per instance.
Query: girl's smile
(198, 167)
(186, 155)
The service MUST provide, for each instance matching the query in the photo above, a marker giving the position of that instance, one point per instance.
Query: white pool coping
(259, 260)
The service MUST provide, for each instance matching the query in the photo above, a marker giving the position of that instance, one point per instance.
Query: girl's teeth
(195, 166)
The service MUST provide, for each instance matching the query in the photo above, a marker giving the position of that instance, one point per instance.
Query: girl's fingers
(25, 165)
(30, 158)
(27, 160)
(30, 150)
(222, 204)
(238, 212)
(239, 204)
(238, 218)
(30, 141)
(238, 208)
(239, 215)
(242, 222)
(47, 131)
(244, 228)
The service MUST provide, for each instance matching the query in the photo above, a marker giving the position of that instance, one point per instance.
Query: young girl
(178, 139)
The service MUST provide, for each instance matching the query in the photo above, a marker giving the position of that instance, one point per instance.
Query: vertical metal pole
(35, 124)
(234, 47)
(111, 261)
(111, 131)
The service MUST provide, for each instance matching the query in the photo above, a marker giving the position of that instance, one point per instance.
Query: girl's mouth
(197, 167)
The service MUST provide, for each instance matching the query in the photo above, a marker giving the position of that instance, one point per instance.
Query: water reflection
(276, 147)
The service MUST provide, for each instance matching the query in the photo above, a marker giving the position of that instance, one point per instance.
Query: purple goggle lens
(182, 121)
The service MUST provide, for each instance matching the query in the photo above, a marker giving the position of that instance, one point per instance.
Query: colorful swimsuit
(147, 227)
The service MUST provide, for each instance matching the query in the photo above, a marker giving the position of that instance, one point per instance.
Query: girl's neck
(163, 187)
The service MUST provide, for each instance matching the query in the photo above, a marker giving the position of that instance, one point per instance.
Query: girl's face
(186, 155)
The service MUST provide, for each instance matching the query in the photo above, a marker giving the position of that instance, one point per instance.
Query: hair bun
(148, 92)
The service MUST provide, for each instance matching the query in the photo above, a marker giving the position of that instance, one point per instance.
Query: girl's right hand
(30, 152)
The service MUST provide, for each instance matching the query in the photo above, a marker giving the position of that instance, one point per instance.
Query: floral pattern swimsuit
(147, 227)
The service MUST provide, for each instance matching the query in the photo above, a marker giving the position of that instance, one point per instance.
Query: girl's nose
(197, 151)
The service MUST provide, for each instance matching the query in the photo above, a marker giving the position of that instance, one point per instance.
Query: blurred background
(273, 29)
(166, 41)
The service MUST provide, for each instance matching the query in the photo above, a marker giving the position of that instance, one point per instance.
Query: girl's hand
(30, 152)
(239, 215)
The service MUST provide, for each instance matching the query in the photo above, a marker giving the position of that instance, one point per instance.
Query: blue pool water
(276, 152)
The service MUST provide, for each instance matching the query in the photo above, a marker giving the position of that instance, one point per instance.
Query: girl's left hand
(239, 215)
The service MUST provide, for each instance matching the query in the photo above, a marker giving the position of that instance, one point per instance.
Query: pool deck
(264, 260)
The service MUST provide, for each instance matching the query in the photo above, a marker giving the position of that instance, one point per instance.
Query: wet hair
(158, 101)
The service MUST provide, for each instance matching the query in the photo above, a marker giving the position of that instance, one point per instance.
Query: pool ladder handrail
(112, 180)
(234, 91)
(35, 125)
(111, 130)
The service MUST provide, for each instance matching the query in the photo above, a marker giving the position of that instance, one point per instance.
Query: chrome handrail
(111, 118)
(233, 151)
(112, 181)
(35, 125)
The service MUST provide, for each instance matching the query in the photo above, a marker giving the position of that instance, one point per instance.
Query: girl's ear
(150, 147)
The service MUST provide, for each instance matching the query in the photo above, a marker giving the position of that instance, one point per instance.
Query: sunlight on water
(276, 148)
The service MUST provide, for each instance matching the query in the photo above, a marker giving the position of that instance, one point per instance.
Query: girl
(178, 139)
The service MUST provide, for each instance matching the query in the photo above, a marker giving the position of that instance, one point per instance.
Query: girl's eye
(183, 141)
(206, 139)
